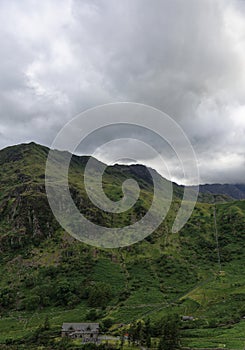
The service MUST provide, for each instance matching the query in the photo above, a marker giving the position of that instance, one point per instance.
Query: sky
(185, 58)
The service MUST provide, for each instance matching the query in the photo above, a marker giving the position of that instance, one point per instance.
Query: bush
(99, 294)
(106, 324)
(31, 303)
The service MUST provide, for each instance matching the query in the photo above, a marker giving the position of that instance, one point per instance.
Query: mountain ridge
(45, 272)
(232, 191)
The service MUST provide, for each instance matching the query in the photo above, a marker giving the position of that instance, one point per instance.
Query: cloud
(186, 58)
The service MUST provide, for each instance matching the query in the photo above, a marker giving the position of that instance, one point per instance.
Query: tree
(92, 315)
(147, 333)
(99, 294)
(122, 340)
(132, 333)
(31, 303)
(106, 323)
(139, 332)
(136, 332)
(63, 292)
(46, 325)
(170, 333)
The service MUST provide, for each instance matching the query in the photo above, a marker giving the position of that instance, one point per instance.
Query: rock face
(24, 211)
(25, 218)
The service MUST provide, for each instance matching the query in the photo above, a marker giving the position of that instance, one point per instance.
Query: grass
(229, 338)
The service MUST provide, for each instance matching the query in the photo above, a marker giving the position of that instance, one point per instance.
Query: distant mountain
(236, 191)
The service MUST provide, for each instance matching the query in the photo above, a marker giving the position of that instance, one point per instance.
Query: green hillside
(44, 272)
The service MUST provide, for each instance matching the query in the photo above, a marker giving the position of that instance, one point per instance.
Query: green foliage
(92, 315)
(64, 344)
(106, 324)
(99, 294)
(169, 333)
(31, 303)
(7, 298)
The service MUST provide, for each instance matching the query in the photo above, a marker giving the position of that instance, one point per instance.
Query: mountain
(44, 272)
(236, 191)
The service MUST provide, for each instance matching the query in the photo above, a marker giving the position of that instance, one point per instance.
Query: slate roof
(84, 327)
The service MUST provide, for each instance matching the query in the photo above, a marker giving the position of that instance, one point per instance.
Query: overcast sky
(186, 58)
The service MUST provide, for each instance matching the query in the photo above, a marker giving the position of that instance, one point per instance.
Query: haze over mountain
(236, 191)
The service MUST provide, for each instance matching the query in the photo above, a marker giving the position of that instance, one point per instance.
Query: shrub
(99, 294)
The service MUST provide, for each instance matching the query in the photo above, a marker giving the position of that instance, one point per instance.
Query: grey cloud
(185, 58)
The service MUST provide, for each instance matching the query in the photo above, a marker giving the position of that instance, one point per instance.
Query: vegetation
(170, 333)
(47, 277)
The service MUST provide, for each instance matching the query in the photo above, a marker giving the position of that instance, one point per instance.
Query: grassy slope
(165, 272)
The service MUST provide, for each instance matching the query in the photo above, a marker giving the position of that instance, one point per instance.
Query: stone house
(88, 332)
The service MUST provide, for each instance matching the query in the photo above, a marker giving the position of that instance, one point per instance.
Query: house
(88, 332)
